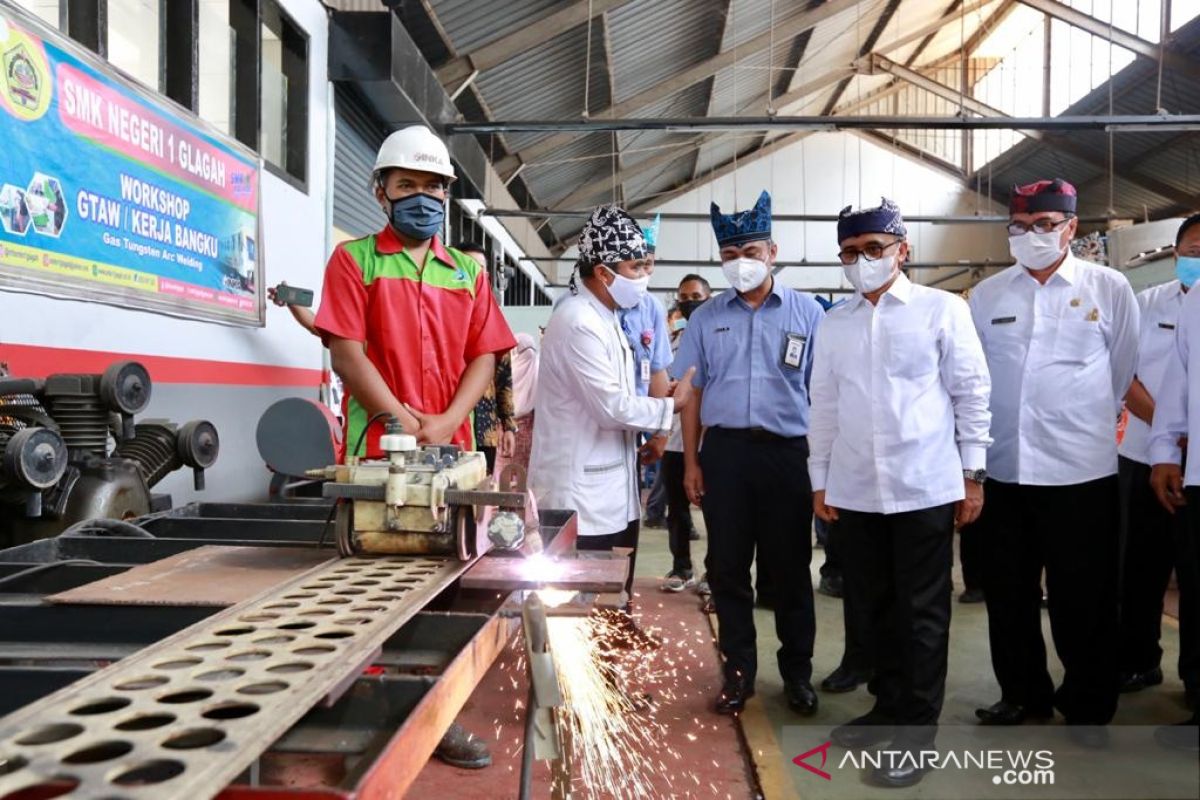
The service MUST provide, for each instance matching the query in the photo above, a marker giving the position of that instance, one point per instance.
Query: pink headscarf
(525, 374)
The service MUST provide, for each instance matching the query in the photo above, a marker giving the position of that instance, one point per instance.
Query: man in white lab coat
(589, 412)
(1061, 338)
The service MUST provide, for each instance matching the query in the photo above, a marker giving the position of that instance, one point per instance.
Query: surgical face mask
(627, 292)
(688, 307)
(1035, 250)
(418, 216)
(1187, 268)
(679, 324)
(866, 275)
(745, 274)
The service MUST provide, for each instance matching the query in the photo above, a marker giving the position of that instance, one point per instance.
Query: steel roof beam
(783, 32)
(1146, 49)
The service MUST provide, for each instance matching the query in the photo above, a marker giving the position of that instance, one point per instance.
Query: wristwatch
(977, 475)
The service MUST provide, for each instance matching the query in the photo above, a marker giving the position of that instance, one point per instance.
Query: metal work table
(372, 739)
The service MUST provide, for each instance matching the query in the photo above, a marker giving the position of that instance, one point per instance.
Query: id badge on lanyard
(644, 370)
(793, 350)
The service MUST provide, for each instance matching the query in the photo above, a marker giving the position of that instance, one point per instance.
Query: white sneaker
(702, 587)
(675, 582)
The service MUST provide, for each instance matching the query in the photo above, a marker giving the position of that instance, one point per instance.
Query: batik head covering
(1044, 195)
(742, 226)
(650, 233)
(609, 236)
(885, 218)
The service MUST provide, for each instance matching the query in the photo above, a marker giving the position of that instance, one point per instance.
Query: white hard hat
(415, 147)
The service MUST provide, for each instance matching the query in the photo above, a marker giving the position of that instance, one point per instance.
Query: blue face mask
(1187, 268)
(679, 324)
(418, 216)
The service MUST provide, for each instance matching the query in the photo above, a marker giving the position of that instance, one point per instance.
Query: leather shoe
(971, 596)
(844, 680)
(463, 749)
(733, 696)
(1006, 713)
(861, 732)
(831, 586)
(800, 697)
(1136, 681)
(906, 774)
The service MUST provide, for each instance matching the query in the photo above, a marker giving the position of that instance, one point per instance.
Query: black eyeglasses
(873, 251)
(1044, 225)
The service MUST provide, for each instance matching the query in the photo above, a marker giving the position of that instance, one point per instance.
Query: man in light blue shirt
(752, 350)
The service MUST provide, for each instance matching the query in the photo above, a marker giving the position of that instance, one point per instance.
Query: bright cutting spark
(613, 736)
(553, 598)
(541, 568)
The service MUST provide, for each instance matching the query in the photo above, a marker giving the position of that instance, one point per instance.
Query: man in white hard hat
(412, 326)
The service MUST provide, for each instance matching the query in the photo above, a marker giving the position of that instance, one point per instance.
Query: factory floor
(969, 685)
(770, 730)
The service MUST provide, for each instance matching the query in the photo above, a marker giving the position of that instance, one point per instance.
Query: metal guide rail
(185, 716)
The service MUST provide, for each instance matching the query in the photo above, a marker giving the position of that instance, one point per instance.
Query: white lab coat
(588, 413)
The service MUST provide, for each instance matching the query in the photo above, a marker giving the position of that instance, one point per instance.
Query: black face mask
(686, 307)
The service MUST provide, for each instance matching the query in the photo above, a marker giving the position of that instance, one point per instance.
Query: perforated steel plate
(183, 717)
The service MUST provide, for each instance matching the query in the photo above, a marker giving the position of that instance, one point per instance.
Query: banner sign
(111, 195)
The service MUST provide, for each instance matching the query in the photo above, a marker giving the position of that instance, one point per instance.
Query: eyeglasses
(873, 251)
(1043, 225)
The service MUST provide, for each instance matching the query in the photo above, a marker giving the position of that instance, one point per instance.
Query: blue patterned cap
(650, 233)
(884, 219)
(743, 226)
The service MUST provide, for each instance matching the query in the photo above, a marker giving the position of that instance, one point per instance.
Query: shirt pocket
(911, 354)
(1078, 341)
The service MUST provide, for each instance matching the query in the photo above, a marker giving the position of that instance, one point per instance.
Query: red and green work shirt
(421, 325)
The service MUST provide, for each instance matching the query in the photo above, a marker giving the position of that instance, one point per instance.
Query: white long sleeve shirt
(588, 413)
(1177, 405)
(1159, 307)
(899, 401)
(1062, 356)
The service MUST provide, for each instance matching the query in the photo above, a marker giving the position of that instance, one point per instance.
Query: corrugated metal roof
(470, 27)
(653, 41)
(548, 82)
(644, 43)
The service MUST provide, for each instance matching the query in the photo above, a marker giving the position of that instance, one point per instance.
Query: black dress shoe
(844, 680)
(903, 774)
(861, 732)
(800, 697)
(1006, 713)
(831, 586)
(733, 696)
(971, 596)
(1136, 681)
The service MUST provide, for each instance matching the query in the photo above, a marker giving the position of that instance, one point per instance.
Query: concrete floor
(970, 683)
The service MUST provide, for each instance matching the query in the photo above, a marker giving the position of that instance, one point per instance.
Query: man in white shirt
(589, 412)
(1060, 336)
(898, 441)
(1151, 536)
(1176, 427)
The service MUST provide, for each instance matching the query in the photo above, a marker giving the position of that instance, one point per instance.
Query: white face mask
(745, 274)
(866, 275)
(1034, 250)
(626, 292)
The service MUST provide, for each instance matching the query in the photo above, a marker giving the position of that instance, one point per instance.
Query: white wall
(821, 174)
(294, 248)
